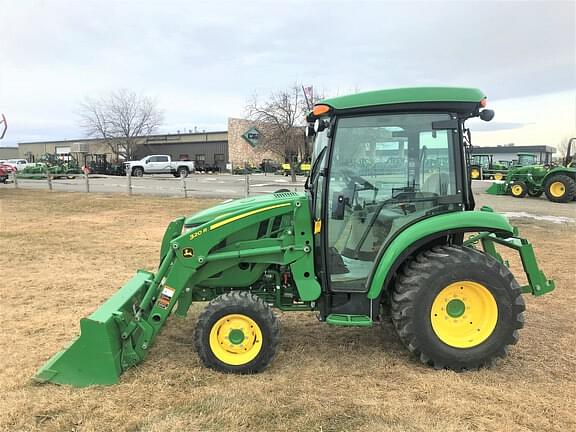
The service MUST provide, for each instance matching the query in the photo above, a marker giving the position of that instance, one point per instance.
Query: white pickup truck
(159, 164)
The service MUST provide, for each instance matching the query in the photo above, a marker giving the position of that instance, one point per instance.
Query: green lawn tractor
(355, 248)
(558, 183)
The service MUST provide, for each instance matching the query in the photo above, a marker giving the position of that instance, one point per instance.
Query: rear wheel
(237, 333)
(560, 188)
(457, 308)
(182, 172)
(475, 173)
(518, 189)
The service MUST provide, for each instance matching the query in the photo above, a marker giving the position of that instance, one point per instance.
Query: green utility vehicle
(483, 167)
(354, 248)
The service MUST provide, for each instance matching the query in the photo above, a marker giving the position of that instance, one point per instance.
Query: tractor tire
(499, 176)
(560, 188)
(237, 333)
(518, 189)
(183, 172)
(535, 194)
(138, 172)
(475, 173)
(457, 308)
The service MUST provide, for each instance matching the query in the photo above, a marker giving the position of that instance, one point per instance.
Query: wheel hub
(455, 308)
(235, 339)
(557, 189)
(464, 314)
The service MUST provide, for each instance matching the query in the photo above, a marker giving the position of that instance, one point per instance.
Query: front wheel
(457, 308)
(518, 189)
(237, 333)
(138, 172)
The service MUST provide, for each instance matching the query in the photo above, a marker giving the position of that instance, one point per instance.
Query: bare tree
(119, 118)
(281, 117)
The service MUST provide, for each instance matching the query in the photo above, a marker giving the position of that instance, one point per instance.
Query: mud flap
(95, 357)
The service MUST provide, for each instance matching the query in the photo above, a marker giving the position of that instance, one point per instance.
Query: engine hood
(234, 206)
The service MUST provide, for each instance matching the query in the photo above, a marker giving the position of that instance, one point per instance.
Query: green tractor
(558, 183)
(355, 248)
(483, 167)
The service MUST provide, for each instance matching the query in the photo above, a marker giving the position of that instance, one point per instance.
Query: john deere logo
(252, 135)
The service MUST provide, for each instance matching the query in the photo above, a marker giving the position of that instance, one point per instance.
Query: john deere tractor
(557, 182)
(355, 248)
(483, 167)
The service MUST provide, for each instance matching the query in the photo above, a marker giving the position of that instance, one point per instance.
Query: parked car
(17, 164)
(159, 164)
(5, 171)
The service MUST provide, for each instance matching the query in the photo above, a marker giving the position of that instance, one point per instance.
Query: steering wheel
(350, 175)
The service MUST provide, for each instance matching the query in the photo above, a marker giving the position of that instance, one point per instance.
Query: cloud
(202, 60)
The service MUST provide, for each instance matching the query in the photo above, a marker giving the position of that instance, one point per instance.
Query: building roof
(406, 95)
(157, 137)
(514, 149)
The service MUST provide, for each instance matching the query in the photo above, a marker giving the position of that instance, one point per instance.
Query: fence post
(247, 182)
(87, 182)
(184, 186)
(129, 177)
(15, 179)
(49, 178)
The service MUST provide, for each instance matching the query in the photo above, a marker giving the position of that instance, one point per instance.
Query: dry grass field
(65, 253)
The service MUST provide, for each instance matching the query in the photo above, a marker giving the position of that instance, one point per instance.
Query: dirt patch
(65, 253)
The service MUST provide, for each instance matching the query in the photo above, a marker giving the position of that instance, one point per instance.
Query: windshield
(394, 153)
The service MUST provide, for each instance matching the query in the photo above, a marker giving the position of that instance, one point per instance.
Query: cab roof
(405, 95)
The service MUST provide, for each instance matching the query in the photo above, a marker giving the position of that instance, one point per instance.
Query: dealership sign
(252, 135)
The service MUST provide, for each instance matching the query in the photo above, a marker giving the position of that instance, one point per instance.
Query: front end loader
(363, 243)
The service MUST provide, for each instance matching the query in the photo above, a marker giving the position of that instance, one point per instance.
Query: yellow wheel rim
(498, 176)
(464, 314)
(557, 189)
(235, 339)
(475, 173)
(517, 190)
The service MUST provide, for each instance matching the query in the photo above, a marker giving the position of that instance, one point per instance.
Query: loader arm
(120, 333)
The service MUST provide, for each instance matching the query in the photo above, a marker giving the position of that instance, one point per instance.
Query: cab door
(386, 172)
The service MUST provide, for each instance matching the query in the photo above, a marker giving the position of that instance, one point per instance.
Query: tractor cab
(482, 160)
(361, 200)
(525, 159)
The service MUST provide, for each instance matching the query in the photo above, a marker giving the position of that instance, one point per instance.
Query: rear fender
(413, 237)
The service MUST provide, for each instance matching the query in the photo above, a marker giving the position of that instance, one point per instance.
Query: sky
(202, 61)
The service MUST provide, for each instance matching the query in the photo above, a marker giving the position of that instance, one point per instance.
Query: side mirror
(309, 131)
(320, 125)
(487, 115)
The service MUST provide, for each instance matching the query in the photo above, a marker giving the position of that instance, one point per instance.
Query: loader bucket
(497, 188)
(94, 358)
